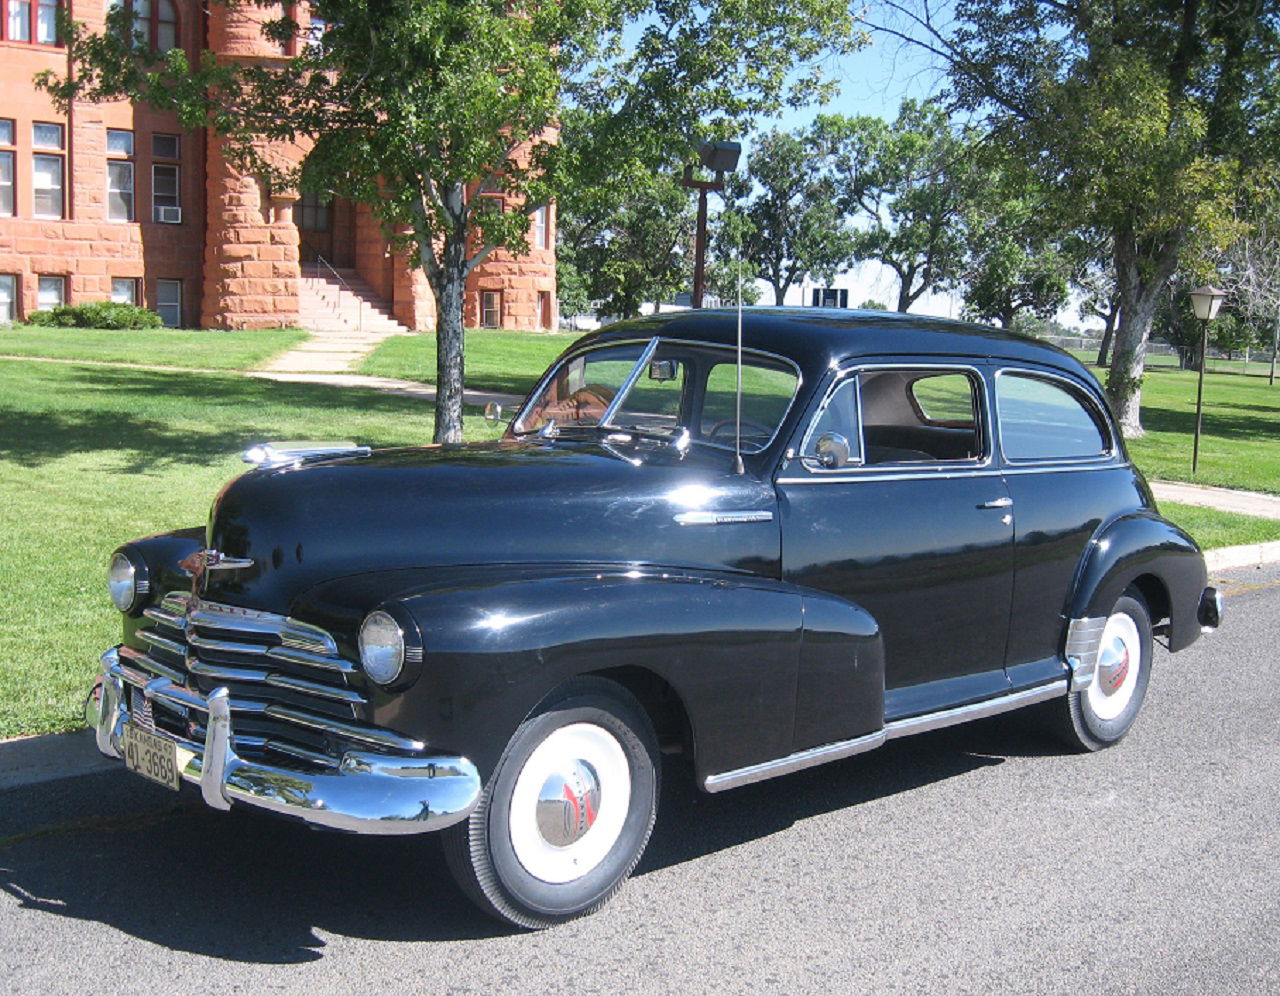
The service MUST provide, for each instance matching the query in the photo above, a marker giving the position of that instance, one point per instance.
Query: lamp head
(1205, 302)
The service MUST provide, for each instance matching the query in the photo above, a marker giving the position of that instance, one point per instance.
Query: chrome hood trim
(295, 452)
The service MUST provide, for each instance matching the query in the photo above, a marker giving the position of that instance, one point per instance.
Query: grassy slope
(93, 456)
(1213, 529)
(496, 360)
(154, 347)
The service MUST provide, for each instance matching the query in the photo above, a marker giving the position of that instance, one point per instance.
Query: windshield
(661, 387)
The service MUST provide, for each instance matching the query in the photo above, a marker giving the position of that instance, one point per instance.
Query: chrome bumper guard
(370, 793)
(1210, 613)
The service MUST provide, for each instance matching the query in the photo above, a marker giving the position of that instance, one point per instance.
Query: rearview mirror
(663, 370)
(832, 450)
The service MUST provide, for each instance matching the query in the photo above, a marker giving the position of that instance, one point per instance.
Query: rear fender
(1141, 548)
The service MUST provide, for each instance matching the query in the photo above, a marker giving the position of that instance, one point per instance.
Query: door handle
(1005, 502)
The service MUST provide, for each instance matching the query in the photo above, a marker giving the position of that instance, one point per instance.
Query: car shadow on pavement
(249, 888)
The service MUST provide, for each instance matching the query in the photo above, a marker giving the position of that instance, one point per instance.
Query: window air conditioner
(170, 214)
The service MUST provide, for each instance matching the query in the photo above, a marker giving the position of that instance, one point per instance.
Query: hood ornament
(211, 560)
(296, 452)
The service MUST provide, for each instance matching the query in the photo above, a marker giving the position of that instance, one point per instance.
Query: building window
(119, 175)
(24, 20)
(166, 146)
(491, 309)
(52, 293)
(45, 135)
(8, 297)
(540, 228)
(169, 302)
(124, 290)
(315, 213)
(46, 186)
(155, 22)
(8, 201)
(165, 199)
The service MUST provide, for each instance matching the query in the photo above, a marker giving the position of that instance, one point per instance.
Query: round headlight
(123, 582)
(381, 647)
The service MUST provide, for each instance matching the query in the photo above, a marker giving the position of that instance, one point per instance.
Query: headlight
(381, 647)
(127, 581)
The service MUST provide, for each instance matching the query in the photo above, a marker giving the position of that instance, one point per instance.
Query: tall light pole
(1205, 302)
(721, 158)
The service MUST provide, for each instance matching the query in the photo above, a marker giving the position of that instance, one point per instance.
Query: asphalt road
(975, 859)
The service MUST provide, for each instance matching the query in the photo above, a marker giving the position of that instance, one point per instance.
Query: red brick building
(117, 201)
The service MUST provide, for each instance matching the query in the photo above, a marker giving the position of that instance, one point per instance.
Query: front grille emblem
(211, 560)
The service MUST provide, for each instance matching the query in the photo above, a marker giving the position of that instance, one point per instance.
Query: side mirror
(663, 370)
(832, 450)
(493, 412)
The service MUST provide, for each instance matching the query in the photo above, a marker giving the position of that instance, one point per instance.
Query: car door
(892, 501)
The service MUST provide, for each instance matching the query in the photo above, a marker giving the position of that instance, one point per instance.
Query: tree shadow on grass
(1263, 427)
(33, 437)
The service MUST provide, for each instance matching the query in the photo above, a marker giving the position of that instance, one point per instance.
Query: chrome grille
(290, 690)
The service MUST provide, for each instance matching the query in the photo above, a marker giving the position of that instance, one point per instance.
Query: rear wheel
(567, 812)
(1104, 712)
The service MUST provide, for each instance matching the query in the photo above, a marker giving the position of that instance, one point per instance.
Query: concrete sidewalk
(388, 385)
(1225, 499)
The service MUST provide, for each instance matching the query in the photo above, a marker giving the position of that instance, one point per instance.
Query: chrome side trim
(900, 728)
(798, 761)
(942, 474)
(1084, 640)
(708, 517)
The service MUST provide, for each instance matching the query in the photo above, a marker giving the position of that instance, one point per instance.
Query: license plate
(151, 756)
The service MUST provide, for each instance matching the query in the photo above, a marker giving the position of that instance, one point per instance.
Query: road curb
(1248, 555)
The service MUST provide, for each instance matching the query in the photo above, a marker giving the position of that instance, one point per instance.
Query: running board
(814, 756)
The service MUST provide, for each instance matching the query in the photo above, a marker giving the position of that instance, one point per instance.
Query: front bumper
(368, 793)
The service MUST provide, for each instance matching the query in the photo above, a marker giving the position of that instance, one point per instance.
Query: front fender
(1131, 549)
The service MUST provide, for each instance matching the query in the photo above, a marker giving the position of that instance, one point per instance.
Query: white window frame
(38, 143)
(127, 194)
(61, 188)
(10, 186)
(50, 281)
(486, 296)
(124, 290)
(169, 309)
(8, 297)
(541, 227)
(166, 213)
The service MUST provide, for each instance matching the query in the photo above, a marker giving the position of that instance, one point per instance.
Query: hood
(510, 502)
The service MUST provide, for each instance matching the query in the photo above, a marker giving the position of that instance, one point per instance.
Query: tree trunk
(1108, 331)
(1142, 271)
(448, 287)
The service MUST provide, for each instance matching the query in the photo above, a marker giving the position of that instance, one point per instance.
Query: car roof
(814, 338)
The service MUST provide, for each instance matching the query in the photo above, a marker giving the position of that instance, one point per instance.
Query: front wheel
(1103, 713)
(566, 813)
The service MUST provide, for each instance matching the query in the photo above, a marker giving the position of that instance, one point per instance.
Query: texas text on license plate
(151, 756)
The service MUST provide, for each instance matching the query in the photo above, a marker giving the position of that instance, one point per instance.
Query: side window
(766, 395)
(921, 416)
(833, 440)
(1043, 420)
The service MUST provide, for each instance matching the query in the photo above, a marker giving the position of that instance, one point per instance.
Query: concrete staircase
(346, 320)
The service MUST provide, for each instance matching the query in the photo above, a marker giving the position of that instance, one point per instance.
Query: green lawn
(92, 456)
(497, 360)
(1213, 529)
(186, 348)
(1240, 445)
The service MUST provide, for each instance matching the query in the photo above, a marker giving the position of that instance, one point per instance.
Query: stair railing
(347, 287)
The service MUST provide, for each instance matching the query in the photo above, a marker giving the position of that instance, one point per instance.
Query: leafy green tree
(791, 223)
(628, 253)
(872, 305)
(907, 182)
(1252, 270)
(413, 105)
(1142, 116)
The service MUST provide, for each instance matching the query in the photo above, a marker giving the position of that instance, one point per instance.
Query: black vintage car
(871, 526)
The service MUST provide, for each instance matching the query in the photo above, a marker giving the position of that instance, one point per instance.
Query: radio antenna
(738, 468)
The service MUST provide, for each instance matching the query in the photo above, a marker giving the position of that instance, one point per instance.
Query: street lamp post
(722, 158)
(1205, 302)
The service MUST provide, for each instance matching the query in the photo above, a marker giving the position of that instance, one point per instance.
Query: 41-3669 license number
(151, 756)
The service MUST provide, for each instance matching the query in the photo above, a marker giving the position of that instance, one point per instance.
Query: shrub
(97, 315)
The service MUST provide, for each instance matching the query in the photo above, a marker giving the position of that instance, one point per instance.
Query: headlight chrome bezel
(382, 647)
(128, 581)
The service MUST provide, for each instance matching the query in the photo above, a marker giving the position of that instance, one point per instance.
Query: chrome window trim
(606, 420)
(993, 472)
(1074, 389)
(863, 471)
(662, 340)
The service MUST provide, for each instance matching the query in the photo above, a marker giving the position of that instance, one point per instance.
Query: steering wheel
(749, 427)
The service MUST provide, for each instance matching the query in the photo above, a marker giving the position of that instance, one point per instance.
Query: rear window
(1041, 419)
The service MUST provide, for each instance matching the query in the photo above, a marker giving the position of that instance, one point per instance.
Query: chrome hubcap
(568, 804)
(1119, 661)
(1113, 665)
